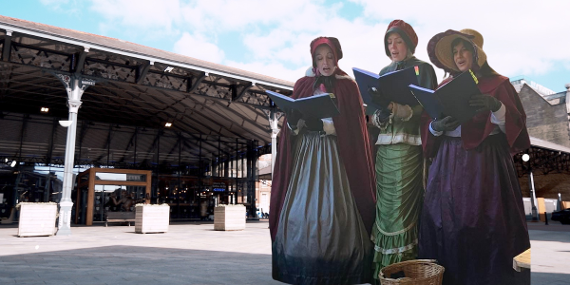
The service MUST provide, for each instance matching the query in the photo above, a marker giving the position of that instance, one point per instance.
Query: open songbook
(317, 106)
(393, 86)
(451, 99)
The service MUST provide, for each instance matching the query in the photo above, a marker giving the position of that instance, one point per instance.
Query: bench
(522, 261)
(116, 217)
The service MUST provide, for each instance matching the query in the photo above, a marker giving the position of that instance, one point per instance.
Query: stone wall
(545, 121)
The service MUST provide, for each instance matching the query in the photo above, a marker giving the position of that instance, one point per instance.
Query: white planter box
(37, 219)
(152, 218)
(229, 218)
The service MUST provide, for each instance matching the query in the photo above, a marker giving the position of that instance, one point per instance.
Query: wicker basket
(417, 272)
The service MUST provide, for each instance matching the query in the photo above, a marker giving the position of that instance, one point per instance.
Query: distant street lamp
(526, 158)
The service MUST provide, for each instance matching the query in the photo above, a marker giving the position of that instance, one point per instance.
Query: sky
(522, 38)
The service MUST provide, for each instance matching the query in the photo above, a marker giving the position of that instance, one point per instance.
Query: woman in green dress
(399, 159)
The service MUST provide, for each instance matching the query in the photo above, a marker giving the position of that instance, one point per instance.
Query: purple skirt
(473, 219)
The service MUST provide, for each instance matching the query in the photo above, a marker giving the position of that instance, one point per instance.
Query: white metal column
(534, 213)
(75, 86)
(274, 124)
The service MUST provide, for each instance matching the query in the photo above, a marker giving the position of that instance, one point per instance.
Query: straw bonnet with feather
(440, 49)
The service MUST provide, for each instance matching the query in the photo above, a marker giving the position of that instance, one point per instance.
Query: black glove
(378, 98)
(314, 124)
(484, 102)
(446, 124)
(293, 116)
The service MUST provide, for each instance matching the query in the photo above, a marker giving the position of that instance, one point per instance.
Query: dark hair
(480, 71)
(486, 71)
(468, 45)
(403, 35)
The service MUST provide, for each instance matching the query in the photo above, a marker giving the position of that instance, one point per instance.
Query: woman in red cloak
(322, 196)
(473, 219)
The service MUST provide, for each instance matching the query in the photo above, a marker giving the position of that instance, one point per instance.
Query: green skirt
(399, 201)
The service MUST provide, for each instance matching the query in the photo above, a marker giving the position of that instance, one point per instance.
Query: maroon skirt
(473, 219)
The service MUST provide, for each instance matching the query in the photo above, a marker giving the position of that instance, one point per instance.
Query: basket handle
(381, 275)
(417, 261)
(426, 260)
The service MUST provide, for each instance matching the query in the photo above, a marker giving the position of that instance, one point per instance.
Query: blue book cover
(367, 80)
(317, 106)
(428, 100)
(392, 85)
(450, 99)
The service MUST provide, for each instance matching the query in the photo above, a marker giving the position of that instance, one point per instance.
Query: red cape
(479, 127)
(354, 148)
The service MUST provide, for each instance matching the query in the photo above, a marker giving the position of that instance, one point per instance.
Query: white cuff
(434, 132)
(295, 128)
(498, 117)
(328, 126)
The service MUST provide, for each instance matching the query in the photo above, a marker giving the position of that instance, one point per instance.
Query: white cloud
(140, 14)
(520, 38)
(280, 45)
(270, 68)
(54, 2)
(197, 46)
(216, 15)
(289, 40)
(63, 6)
(524, 37)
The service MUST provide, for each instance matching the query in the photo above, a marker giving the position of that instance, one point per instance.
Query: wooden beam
(115, 170)
(90, 199)
(122, 183)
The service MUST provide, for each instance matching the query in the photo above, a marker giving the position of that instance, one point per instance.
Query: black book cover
(317, 106)
(450, 99)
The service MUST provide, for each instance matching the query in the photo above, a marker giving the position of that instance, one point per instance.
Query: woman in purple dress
(473, 220)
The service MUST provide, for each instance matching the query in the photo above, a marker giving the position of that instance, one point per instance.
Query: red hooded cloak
(354, 147)
(476, 130)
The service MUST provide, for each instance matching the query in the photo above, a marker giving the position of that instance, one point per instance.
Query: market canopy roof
(544, 158)
(536, 142)
(213, 109)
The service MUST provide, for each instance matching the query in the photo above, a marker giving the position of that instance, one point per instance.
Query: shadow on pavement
(136, 265)
(536, 235)
(549, 278)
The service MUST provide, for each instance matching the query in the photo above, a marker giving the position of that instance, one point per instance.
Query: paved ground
(550, 263)
(193, 253)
